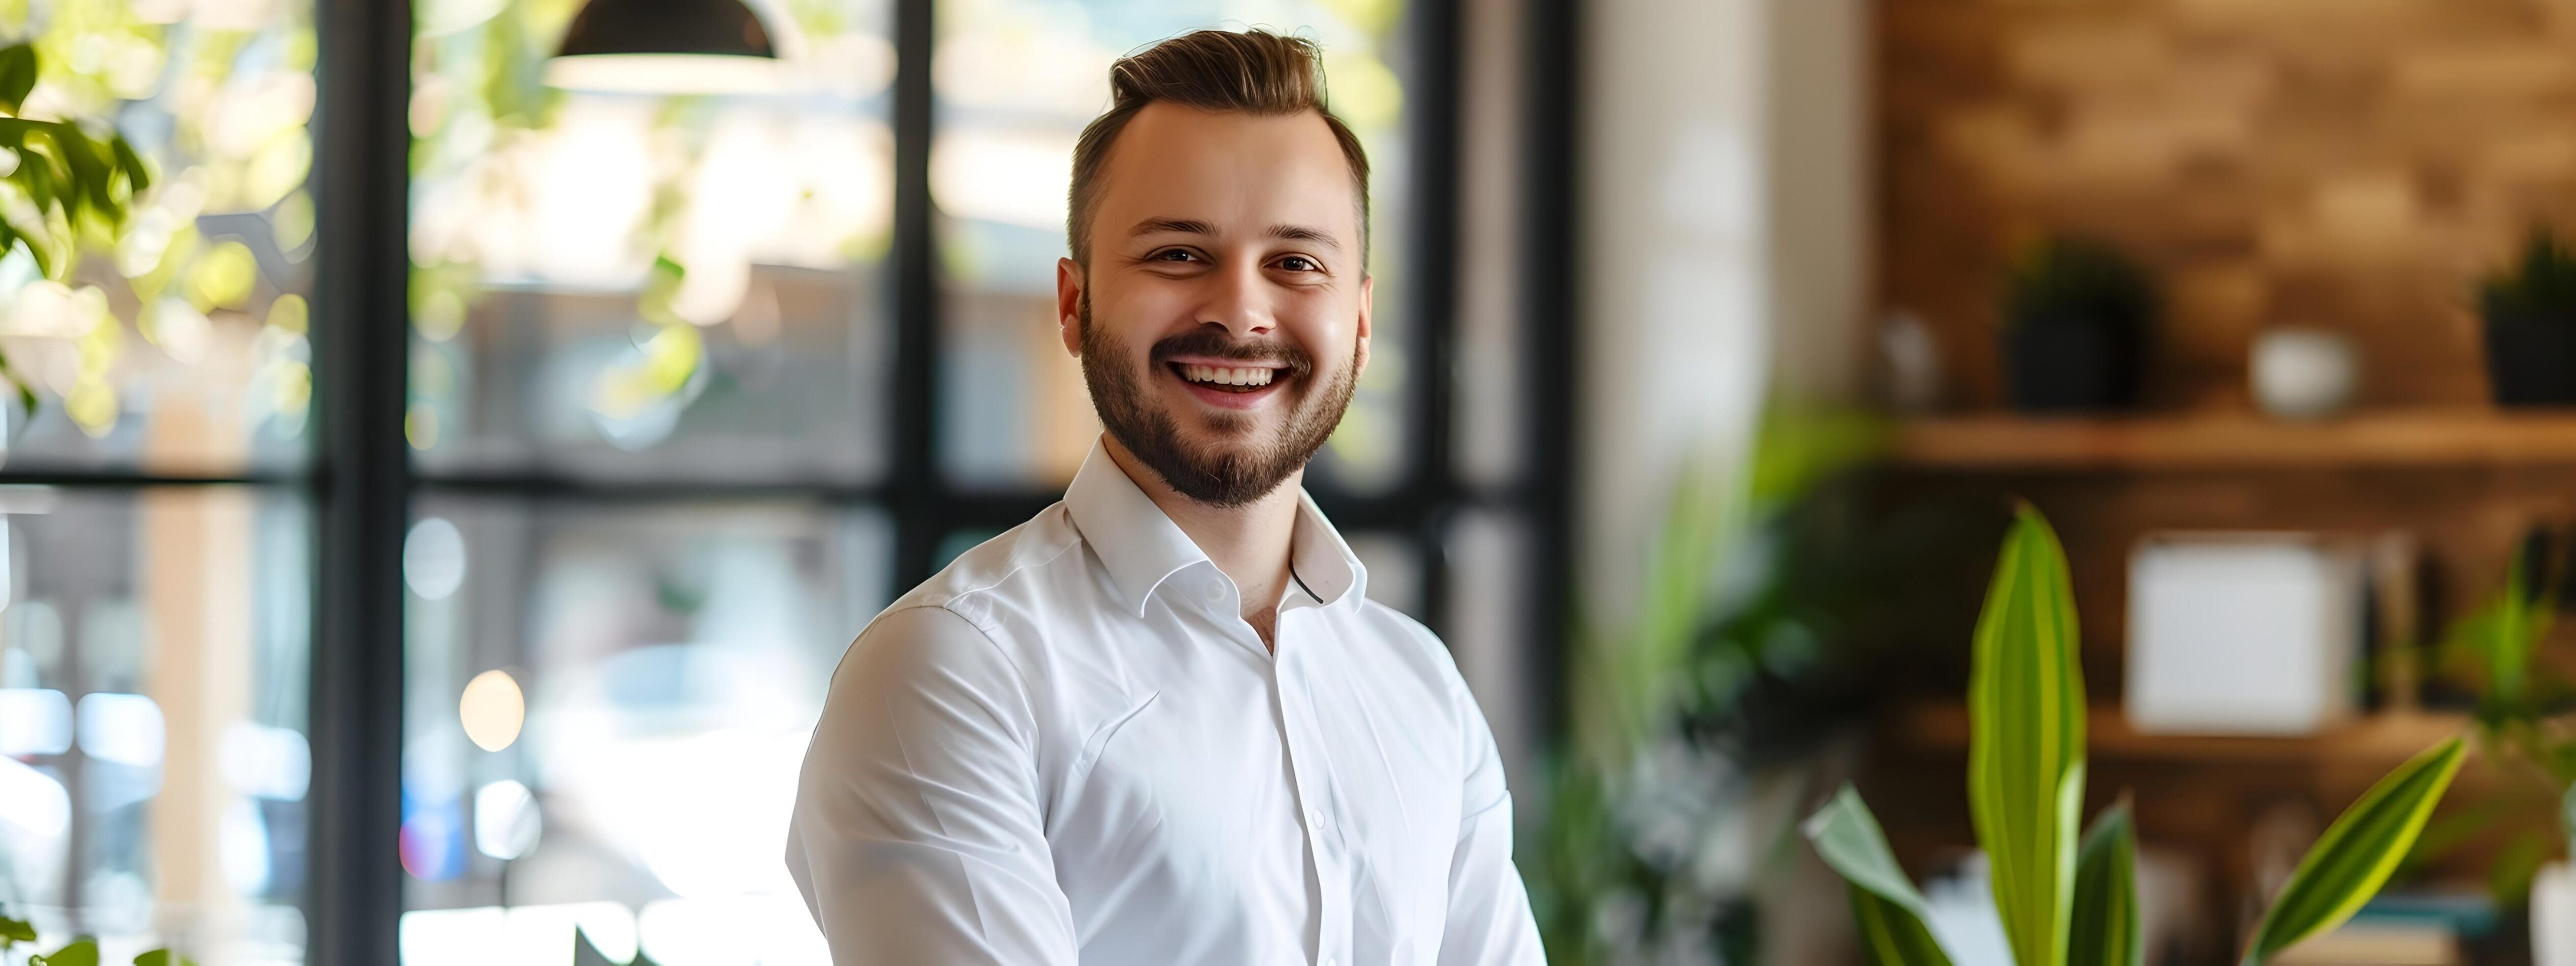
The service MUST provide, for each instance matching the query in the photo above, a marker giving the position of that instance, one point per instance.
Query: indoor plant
(2076, 316)
(2062, 903)
(1697, 725)
(2494, 652)
(2530, 313)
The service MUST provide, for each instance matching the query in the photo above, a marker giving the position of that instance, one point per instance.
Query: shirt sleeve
(1489, 912)
(918, 836)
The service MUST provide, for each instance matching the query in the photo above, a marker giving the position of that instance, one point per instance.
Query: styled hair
(1253, 72)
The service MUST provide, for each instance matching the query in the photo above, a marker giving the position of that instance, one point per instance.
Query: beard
(1222, 474)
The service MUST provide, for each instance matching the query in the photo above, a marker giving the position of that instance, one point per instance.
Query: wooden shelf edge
(2390, 737)
(2367, 439)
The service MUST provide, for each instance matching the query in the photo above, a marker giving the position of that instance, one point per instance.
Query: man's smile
(1228, 383)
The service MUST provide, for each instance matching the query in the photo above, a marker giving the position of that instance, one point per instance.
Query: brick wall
(2351, 164)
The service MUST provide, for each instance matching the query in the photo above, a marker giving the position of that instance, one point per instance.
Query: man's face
(1224, 318)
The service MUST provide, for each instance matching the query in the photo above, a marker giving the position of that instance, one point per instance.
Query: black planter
(2071, 366)
(2531, 360)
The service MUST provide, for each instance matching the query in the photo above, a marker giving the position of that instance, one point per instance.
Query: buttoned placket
(1310, 770)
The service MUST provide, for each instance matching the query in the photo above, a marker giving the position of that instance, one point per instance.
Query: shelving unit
(2380, 739)
(2236, 441)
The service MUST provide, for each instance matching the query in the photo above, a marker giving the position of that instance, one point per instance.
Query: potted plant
(2524, 723)
(2063, 903)
(2075, 321)
(2530, 313)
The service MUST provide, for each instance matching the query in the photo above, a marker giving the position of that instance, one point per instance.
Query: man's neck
(1249, 543)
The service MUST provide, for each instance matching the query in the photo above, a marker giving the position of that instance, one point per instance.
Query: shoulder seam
(1005, 576)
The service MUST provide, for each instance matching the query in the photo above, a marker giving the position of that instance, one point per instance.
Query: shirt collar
(1142, 547)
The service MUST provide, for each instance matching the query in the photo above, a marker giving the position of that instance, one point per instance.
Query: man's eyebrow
(1183, 226)
(1305, 234)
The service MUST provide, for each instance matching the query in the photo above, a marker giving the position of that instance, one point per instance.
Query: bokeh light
(493, 709)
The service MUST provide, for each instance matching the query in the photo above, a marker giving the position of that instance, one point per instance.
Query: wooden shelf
(2237, 441)
(2388, 738)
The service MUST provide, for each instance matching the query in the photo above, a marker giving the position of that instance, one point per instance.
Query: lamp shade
(665, 46)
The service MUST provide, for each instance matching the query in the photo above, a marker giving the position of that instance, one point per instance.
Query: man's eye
(1173, 255)
(1298, 263)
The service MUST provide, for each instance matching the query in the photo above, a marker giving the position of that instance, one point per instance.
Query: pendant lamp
(665, 47)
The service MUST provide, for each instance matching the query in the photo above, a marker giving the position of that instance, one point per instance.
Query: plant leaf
(2104, 930)
(1886, 907)
(17, 75)
(1890, 935)
(2026, 750)
(138, 176)
(81, 953)
(2358, 852)
(163, 957)
(15, 931)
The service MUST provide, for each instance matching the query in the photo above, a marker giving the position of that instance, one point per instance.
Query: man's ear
(1368, 299)
(1068, 304)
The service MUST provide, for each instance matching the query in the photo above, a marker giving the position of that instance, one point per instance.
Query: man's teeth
(1223, 375)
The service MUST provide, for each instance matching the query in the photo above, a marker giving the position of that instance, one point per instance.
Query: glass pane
(606, 708)
(650, 285)
(153, 762)
(181, 348)
(1489, 626)
(1016, 80)
(1394, 570)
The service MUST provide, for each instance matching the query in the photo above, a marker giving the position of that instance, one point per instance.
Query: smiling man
(1162, 723)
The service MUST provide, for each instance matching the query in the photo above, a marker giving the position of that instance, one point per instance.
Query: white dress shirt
(1068, 747)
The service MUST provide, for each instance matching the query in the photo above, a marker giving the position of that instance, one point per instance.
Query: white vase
(2553, 916)
(2304, 373)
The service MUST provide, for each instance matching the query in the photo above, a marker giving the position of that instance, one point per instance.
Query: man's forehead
(1227, 173)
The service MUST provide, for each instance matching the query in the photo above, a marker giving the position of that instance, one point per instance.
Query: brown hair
(1254, 72)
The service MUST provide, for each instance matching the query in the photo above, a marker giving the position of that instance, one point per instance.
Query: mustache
(1217, 343)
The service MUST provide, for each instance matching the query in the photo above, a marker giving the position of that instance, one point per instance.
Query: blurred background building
(445, 489)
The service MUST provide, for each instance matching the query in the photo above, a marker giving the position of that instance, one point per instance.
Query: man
(1161, 723)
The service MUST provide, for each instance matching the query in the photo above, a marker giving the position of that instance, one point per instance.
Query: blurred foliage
(1694, 727)
(2064, 280)
(79, 952)
(2061, 905)
(2541, 286)
(98, 95)
(2526, 718)
(65, 183)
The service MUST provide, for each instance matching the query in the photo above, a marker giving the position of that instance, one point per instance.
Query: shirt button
(1315, 815)
(1215, 591)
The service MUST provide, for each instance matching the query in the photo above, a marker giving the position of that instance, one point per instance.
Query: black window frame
(361, 480)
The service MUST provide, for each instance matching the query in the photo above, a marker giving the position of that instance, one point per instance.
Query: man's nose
(1239, 299)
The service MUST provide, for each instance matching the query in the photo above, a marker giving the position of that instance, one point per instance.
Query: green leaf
(17, 75)
(2026, 751)
(138, 175)
(2509, 876)
(163, 957)
(81, 953)
(15, 931)
(1890, 935)
(1884, 905)
(2358, 852)
(2105, 930)
(2567, 816)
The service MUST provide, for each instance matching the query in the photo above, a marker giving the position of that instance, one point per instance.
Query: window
(686, 388)
(155, 562)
